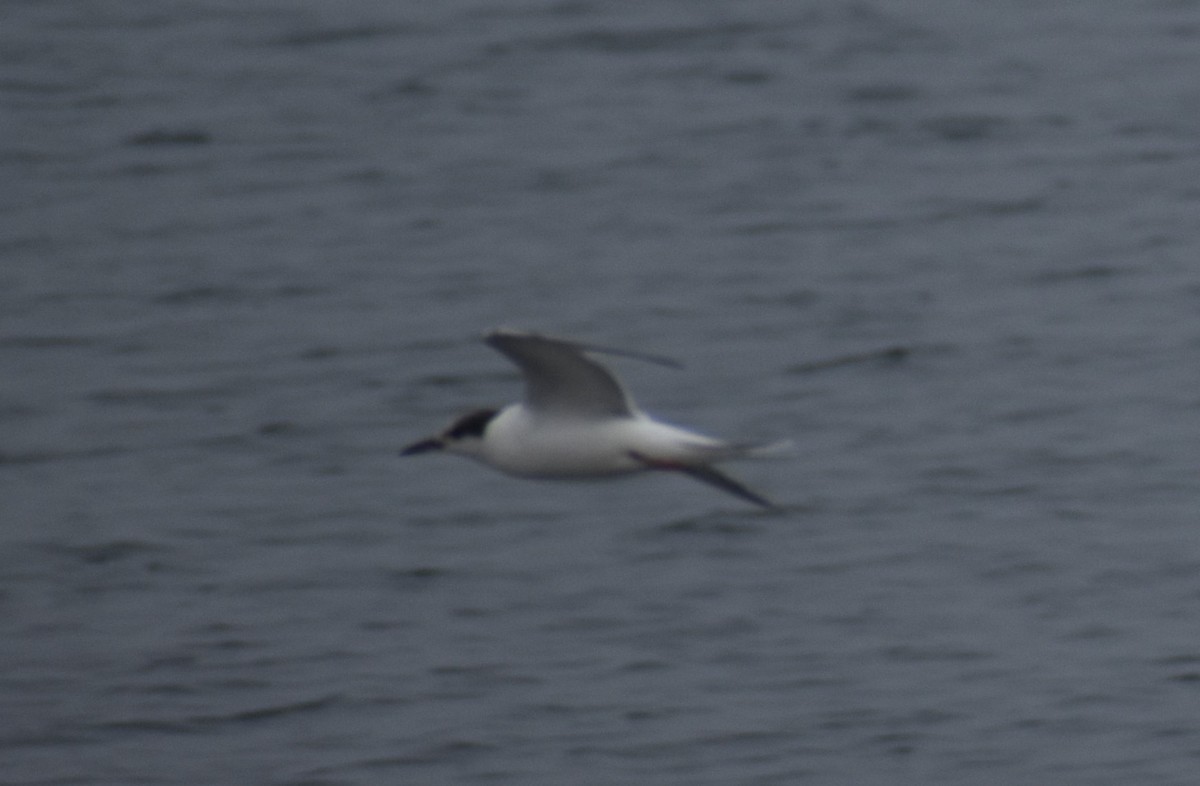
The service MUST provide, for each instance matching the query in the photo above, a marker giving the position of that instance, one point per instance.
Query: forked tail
(727, 451)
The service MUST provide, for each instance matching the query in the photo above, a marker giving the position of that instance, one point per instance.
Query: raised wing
(561, 379)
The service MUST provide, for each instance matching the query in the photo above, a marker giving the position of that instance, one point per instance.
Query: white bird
(578, 422)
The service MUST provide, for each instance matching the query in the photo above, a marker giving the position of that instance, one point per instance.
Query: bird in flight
(577, 422)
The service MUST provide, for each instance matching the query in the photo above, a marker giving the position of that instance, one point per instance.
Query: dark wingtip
(713, 477)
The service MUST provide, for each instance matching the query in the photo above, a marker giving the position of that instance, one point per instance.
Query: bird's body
(578, 422)
(524, 443)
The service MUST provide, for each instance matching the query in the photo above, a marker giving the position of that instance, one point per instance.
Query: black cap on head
(471, 424)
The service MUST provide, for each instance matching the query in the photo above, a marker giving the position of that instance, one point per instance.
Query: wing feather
(560, 378)
(714, 477)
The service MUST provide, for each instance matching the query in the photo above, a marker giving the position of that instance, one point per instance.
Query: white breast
(523, 443)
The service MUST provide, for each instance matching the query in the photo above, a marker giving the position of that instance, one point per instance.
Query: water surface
(247, 251)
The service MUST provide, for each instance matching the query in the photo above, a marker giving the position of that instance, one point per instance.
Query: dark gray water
(245, 252)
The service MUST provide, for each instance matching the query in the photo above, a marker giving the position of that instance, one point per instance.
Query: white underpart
(531, 444)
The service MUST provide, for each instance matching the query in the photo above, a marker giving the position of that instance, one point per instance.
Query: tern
(577, 422)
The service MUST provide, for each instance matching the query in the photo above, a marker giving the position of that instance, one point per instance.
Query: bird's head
(464, 435)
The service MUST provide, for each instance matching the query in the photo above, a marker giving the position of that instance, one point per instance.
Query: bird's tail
(780, 448)
(727, 451)
(704, 455)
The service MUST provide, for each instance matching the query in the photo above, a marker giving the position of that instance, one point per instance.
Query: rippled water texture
(246, 250)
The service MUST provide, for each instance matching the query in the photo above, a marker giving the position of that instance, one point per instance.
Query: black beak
(424, 446)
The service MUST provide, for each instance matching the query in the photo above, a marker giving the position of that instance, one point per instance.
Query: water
(247, 248)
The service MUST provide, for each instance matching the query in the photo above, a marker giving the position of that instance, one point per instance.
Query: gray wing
(560, 378)
(714, 477)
